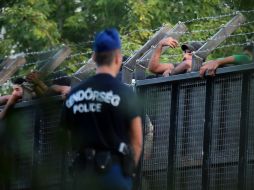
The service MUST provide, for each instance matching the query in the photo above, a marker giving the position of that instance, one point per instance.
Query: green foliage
(35, 25)
(5, 47)
(241, 4)
(29, 27)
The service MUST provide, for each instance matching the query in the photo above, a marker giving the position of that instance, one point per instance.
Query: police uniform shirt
(98, 112)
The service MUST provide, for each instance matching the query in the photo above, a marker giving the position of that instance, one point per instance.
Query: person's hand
(171, 42)
(15, 96)
(169, 70)
(63, 90)
(210, 67)
(167, 73)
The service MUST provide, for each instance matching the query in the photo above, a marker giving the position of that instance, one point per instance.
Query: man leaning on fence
(247, 56)
(103, 118)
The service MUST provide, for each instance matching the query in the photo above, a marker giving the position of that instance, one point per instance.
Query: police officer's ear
(118, 57)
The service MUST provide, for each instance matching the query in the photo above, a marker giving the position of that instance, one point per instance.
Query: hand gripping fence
(200, 55)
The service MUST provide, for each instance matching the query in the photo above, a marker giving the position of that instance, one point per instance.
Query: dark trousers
(89, 178)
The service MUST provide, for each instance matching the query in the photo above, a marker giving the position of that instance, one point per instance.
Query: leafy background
(42, 25)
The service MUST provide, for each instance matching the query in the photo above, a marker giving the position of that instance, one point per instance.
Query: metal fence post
(172, 136)
(207, 134)
(245, 100)
(56, 60)
(36, 146)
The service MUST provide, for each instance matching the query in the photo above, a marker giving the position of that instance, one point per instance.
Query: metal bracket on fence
(10, 66)
(198, 62)
(202, 53)
(84, 71)
(176, 32)
(131, 62)
(89, 66)
(55, 61)
(159, 35)
(48, 67)
(27, 92)
(140, 70)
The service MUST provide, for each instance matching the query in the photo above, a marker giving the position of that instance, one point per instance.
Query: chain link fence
(198, 134)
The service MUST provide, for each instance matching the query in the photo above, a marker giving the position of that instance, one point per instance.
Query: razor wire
(220, 47)
(138, 61)
(140, 30)
(217, 17)
(147, 30)
(188, 32)
(73, 75)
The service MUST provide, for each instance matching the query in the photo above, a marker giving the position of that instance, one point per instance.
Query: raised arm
(154, 65)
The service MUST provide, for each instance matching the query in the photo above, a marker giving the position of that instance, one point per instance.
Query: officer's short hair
(104, 58)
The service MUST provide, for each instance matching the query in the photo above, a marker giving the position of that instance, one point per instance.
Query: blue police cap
(107, 40)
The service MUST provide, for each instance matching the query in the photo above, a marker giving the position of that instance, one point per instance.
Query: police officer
(103, 118)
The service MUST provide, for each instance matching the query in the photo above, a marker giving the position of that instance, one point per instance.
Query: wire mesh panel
(21, 124)
(50, 156)
(250, 148)
(225, 132)
(189, 138)
(156, 138)
(37, 161)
